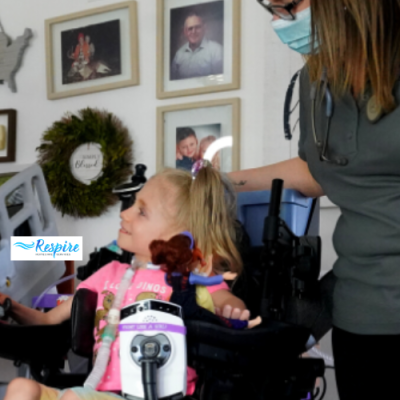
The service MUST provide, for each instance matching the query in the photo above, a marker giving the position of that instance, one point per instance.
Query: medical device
(152, 351)
(374, 113)
(32, 216)
(152, 336)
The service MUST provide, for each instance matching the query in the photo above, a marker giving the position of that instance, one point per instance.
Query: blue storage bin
(252, 208)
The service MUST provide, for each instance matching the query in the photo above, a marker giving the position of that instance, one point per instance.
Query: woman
(349, 151)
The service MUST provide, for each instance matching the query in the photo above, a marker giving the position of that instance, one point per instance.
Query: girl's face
(187, 147)
(147, 220)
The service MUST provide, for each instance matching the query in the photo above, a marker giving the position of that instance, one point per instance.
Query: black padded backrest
(82, 322)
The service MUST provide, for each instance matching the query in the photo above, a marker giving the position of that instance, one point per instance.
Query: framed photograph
(188, 132)
(92, 51)
(198, 47)
(8, 126)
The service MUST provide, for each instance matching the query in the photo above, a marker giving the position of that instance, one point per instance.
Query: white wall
(266, 69)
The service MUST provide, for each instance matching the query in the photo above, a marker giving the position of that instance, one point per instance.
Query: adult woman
(350, 153)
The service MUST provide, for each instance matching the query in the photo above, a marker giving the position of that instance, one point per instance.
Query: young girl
(203, 146)
(170, 202)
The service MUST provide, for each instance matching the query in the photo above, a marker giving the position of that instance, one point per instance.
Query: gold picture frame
(8, 133)
(222, 17)
(219, 119)
(81, 60)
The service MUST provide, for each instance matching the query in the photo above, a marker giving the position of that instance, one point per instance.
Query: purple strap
(153, 326)
(189, 235)
(50, 300)
(195, 279)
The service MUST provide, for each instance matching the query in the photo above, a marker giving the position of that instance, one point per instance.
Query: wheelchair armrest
(82, 322)
(233, 350)
(258, 363)
(33, 344)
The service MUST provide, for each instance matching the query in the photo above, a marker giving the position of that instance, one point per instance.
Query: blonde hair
(206, 207)
(359, 43)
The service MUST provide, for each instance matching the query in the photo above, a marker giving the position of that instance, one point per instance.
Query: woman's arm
(29, 316)
(293, 172)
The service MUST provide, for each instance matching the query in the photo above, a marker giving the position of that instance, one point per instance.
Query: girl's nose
(126, 214)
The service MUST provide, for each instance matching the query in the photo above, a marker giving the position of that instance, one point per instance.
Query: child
(186, 148)
(169, 203)
(203, 146)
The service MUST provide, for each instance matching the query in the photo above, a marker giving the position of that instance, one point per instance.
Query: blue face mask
(297, 33)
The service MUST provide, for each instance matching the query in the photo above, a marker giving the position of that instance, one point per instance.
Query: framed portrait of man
(198, 49)
(203, 130)
(92, 51)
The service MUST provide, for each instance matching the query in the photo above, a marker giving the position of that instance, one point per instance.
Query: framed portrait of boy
(198, 47)
(203, 130)
(92, 51)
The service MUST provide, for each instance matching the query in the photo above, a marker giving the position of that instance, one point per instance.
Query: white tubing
(329, 361)
(108, 337)
(100, 365)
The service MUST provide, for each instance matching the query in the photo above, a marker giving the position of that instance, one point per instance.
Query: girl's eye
(141, 212)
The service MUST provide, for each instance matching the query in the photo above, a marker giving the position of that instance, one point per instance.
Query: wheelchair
(262, 363)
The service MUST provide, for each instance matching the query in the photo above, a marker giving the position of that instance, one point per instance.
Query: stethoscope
(374, 113)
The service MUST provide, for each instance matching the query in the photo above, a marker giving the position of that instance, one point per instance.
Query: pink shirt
(146, 284)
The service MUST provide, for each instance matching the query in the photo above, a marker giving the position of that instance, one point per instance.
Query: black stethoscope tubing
(321, 146)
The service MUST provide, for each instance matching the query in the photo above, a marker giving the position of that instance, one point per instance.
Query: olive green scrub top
(367, 191)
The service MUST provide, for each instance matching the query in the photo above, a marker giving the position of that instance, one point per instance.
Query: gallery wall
(266, 68)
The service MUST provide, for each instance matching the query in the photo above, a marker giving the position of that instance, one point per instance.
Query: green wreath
(68, 195)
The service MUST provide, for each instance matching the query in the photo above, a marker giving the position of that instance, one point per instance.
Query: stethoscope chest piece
(374, 110)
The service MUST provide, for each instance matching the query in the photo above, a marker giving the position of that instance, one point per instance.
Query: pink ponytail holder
(198, 165)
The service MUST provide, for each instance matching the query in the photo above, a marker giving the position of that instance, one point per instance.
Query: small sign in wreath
(83, 157)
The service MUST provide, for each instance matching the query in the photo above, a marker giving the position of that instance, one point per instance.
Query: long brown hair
(206, 207)
(359, 43)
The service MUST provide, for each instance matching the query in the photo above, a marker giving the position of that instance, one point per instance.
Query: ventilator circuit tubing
(67, 278)
(110, 331)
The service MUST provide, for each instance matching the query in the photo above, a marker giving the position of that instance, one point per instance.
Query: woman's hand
(3, 298)
(233, 313)
(5, 306)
